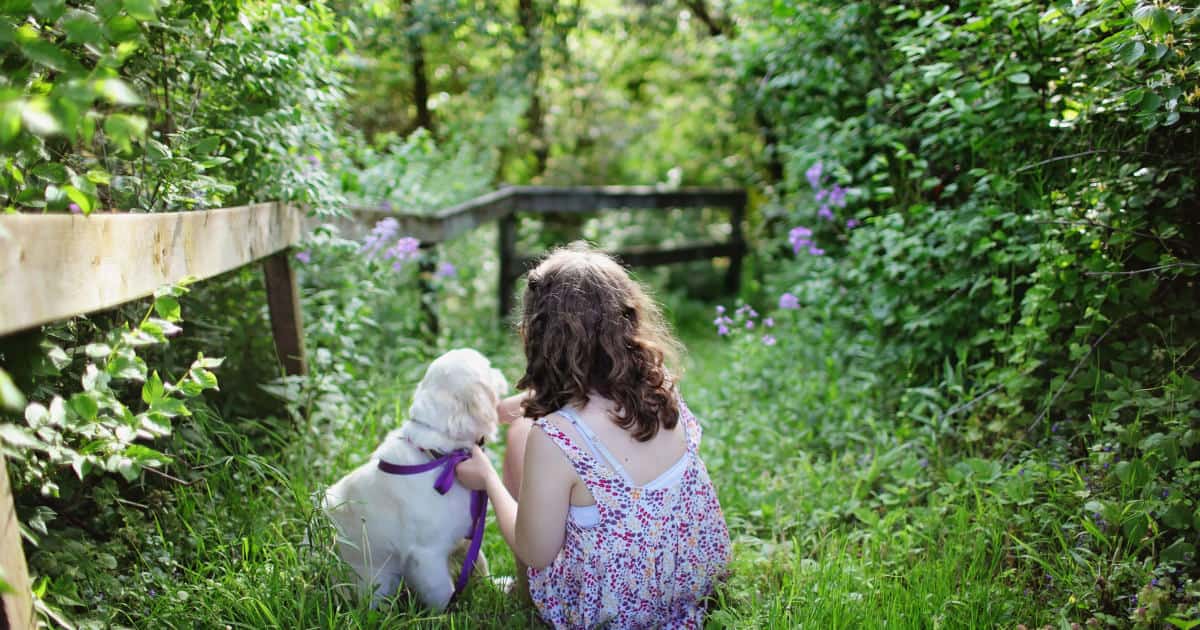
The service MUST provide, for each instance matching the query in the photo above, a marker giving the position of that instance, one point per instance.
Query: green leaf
(84, 406)
(58, 357)
(11, 398)
(167, 308)
(53, 172)
(128, 468)
(83, 28)
(124, 129)
(206, 146)
(97, 350)
(1153, 18)
(203, 378)
(170, 407)
(43, 52)
(35, 113)
(141, 10)
(1151, 102)
(50, 10)
(99, 176)
(1181, 551)
(81, 199)
(1132, 51)
(118, 91)
(10, 121)
(146, 455)
(1020, 78)
(18, 437)
(153, 390)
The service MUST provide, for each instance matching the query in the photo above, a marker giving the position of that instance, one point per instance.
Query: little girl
(618, 524)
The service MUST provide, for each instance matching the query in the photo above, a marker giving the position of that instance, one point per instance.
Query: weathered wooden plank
(450, 222)
(425, 228)
(283, 302)
(18, 605)
(439, 226)
(649, 257)
(54, 266)
(590, 199)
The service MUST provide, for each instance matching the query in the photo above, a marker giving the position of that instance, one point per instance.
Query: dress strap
(593, 442)
(584, 462)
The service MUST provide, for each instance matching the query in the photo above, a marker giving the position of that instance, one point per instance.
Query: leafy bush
(1013, 255)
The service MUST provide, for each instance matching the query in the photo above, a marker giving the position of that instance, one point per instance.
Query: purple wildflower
(722, 330)
(720, 310)
(825, 213)
(923, 463)
(852, 223)
(769, 322)
(821, 195)
(385, 205)
(750, 325)
(816, 251)
(314, 160)
(837, 196)
(789, 302)
(814, 175)
(75, 209)
(768, 340)
(446, 270)
(800, 237)
(304, 257)
(405, 249)
(384, 231)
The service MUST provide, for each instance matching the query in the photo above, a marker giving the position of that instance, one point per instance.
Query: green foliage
(135, 106)
(93, 430)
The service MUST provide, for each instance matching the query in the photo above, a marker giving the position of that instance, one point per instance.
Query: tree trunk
(534, 116)
(420, 79)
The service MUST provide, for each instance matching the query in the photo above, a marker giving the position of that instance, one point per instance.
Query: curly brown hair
(588, 327)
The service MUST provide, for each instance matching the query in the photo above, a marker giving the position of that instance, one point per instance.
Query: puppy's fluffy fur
(397, 527)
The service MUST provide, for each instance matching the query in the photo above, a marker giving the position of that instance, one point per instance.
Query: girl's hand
(475, 473)
(509, 409)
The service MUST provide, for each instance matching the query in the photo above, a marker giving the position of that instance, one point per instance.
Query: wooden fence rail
(55, 266)
(505, 204)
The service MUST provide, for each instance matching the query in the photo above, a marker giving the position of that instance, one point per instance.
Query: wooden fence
(56, 266)
(506, 204)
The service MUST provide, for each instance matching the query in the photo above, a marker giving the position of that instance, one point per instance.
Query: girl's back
(649, 548)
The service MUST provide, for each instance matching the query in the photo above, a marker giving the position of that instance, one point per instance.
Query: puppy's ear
(473, 412)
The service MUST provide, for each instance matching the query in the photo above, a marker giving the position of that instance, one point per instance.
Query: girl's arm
(535, 532)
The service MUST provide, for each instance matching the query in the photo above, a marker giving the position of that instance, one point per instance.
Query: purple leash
(445, 481)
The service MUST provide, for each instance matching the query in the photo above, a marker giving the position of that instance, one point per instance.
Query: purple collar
(443, 483)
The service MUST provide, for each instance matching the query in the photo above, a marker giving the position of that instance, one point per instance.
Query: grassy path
(810, 549)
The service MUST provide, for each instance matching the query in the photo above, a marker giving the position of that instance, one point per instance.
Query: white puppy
(398, 527)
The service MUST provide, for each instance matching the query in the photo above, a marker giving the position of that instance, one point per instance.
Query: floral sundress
(654, 553)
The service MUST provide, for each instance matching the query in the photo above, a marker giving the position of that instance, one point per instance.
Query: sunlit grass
(246, 549)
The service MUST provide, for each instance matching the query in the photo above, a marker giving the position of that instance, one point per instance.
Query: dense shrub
(997, 205)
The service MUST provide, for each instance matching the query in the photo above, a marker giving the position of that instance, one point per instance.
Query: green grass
(828, 533)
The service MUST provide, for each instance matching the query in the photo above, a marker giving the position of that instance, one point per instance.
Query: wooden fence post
(733, 276)
(18, 605)
(283, 302)
(508, 263)
(427, 268)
